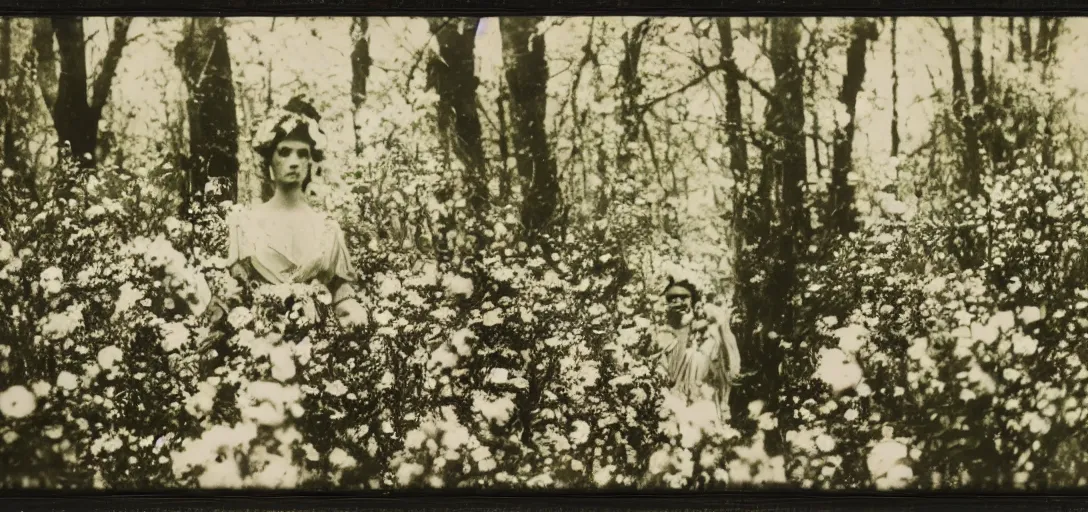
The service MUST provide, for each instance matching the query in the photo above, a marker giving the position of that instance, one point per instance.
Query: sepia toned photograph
(543, 254)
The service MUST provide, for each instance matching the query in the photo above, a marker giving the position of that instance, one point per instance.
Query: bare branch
(109, 63)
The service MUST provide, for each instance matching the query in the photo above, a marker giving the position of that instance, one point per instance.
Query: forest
(891, 209)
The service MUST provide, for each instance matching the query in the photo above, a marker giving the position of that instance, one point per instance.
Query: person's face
(291, 162)
(678, 300)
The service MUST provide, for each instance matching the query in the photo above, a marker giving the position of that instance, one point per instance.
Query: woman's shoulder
(239, 214)
(326, 221)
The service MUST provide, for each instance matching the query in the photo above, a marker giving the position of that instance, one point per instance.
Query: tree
(526, 71)
(15, 106)
(842, 214)
(75, 115)
(360, 71)
(453, 76)
(204, 60)
(629, 84)
(971, 172)
(784, 163)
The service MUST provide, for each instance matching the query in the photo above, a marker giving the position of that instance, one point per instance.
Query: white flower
(1030, 314)
(581, 432)
(340, 458)
(825, 443)
(407, 472)
(67, 381)
(109, 356)
(240, 317)
(838, 370)
(1003, 320)
(457, 285)
(128, 297)
(201, 402)
(1024, 344)
(459, 340)
(283, 365)
(336, 388)
(389, 286)
(41, 388)
(414, 439)
(499, 376)
(174, 336)
(60, 325)
(985, 333)
(897, 477)
(221, 475)
(498, 410)
(492, 318)
(6, 252)
(884, 456)
(17, 402)
(851, 414)
(95, 211)
(851, 338)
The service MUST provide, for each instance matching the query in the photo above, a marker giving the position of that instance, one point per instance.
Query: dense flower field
(516, 367)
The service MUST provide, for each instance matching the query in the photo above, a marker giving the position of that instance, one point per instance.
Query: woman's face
(678, 299)
(291, 162)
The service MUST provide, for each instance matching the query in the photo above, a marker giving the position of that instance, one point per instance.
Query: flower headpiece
(282, 121)
(677, 273)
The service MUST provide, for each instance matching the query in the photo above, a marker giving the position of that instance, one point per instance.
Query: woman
(284, 240)
(697, 353)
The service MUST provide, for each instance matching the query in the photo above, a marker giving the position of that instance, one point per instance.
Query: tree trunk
(452, 73)
(204, 60)
(745, 214)
(1025, 40)
(629, 83)
(895, 89)
(8, 107)
(360, 71)
(1010, 23)
(526, 76)
(842, 214)
(786, 161)
(971, 174)
(75, 114)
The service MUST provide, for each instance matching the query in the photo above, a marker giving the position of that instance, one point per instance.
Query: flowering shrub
(944, 375)
(919, 360)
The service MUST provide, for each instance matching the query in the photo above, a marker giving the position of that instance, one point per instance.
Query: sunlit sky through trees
(275, 58)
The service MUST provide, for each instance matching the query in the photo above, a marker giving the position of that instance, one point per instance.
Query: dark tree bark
(746, 225)
(842, 214)
(75, 114)
(971, 174)
(452, 74)
(895, 88)
(1010, 23)
(1046, 43)
(629, 84)
(526, 72)
(360, 71)
(204, 60)
(8, 107)
(784, 162)
(734, 119)
(505, 180)
(1025, 40)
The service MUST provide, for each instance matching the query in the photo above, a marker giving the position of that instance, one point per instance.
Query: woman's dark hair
(301, 106)
(684, 283)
